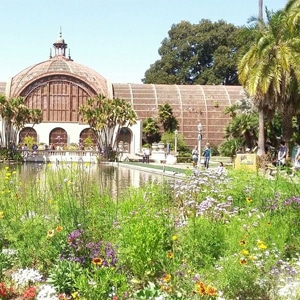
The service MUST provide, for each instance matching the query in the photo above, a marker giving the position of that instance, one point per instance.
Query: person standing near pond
(296, 155)
(282, 152)
(147, 155)
(206, 154)
(195, 155)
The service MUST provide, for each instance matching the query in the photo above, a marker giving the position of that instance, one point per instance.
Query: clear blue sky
(117, 38)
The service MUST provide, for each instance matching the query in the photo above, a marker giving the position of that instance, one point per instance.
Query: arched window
(58, 137)
(27, 131)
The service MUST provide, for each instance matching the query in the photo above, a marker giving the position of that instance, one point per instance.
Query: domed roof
(60, 40)
(58, 65)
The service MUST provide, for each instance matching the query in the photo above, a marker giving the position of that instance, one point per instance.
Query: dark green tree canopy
(204, 53)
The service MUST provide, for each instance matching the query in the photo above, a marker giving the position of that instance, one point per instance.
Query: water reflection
(111, 179)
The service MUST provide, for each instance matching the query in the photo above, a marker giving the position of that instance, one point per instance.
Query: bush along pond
(208, 236)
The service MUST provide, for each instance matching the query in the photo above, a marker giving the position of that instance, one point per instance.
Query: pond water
(111, 179)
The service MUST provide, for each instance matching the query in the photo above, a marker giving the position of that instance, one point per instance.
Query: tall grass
(233, 236)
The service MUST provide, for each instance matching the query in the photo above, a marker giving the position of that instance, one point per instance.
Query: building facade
(58, 86)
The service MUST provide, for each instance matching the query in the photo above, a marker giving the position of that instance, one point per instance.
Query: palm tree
(15, 114)
(260, 9)
(166, 117)
(269, 72)
(106, 117)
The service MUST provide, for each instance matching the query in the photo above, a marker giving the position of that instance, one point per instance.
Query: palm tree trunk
(260, 9)
(261, 133)
(287, 125)
(261, 121)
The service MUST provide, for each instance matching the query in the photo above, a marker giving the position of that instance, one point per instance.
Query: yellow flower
(248, 199)
(50, 233)
(243, 261)
(75, 295)
(1, 214)
(245, 252)
(170, 254)
(6, 168)
(174, 237)
(261, 245)
(167, 278)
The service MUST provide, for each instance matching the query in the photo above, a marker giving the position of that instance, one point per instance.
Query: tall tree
(15, 114)
(204, 53)
(269, 72)
(106, 117)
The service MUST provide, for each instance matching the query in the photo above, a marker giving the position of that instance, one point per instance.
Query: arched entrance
(88, 138)
(124, 140)
(58, 137)
(27, 132)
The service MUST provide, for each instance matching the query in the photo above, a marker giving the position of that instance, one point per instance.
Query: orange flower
(211, 291)
(167, 278)
(200, 288)
(97, 261)
(203, 289)
(59, 228)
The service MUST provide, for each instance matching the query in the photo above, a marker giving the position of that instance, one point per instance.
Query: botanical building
(59, 85)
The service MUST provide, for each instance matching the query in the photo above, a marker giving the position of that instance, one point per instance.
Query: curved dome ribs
(58, 66)
(58, 97)
(191, 104)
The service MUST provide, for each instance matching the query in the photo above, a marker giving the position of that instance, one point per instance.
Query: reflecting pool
(111, 179)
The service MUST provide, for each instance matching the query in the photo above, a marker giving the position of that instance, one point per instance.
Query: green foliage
(166, 117)
(147, 238)
(15, 114)
(237, 234)
(169, 138)
(101, 283)
(150, 131)
(203, 53)
(88, 142)
(230, 147)
(29, 140)
(63, 275)
(107, 116)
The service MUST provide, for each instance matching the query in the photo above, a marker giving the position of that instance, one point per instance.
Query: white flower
(25, 276)
(9, 252)
(47, 292)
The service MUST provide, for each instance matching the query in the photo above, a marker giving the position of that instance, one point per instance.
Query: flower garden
(229, 236)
